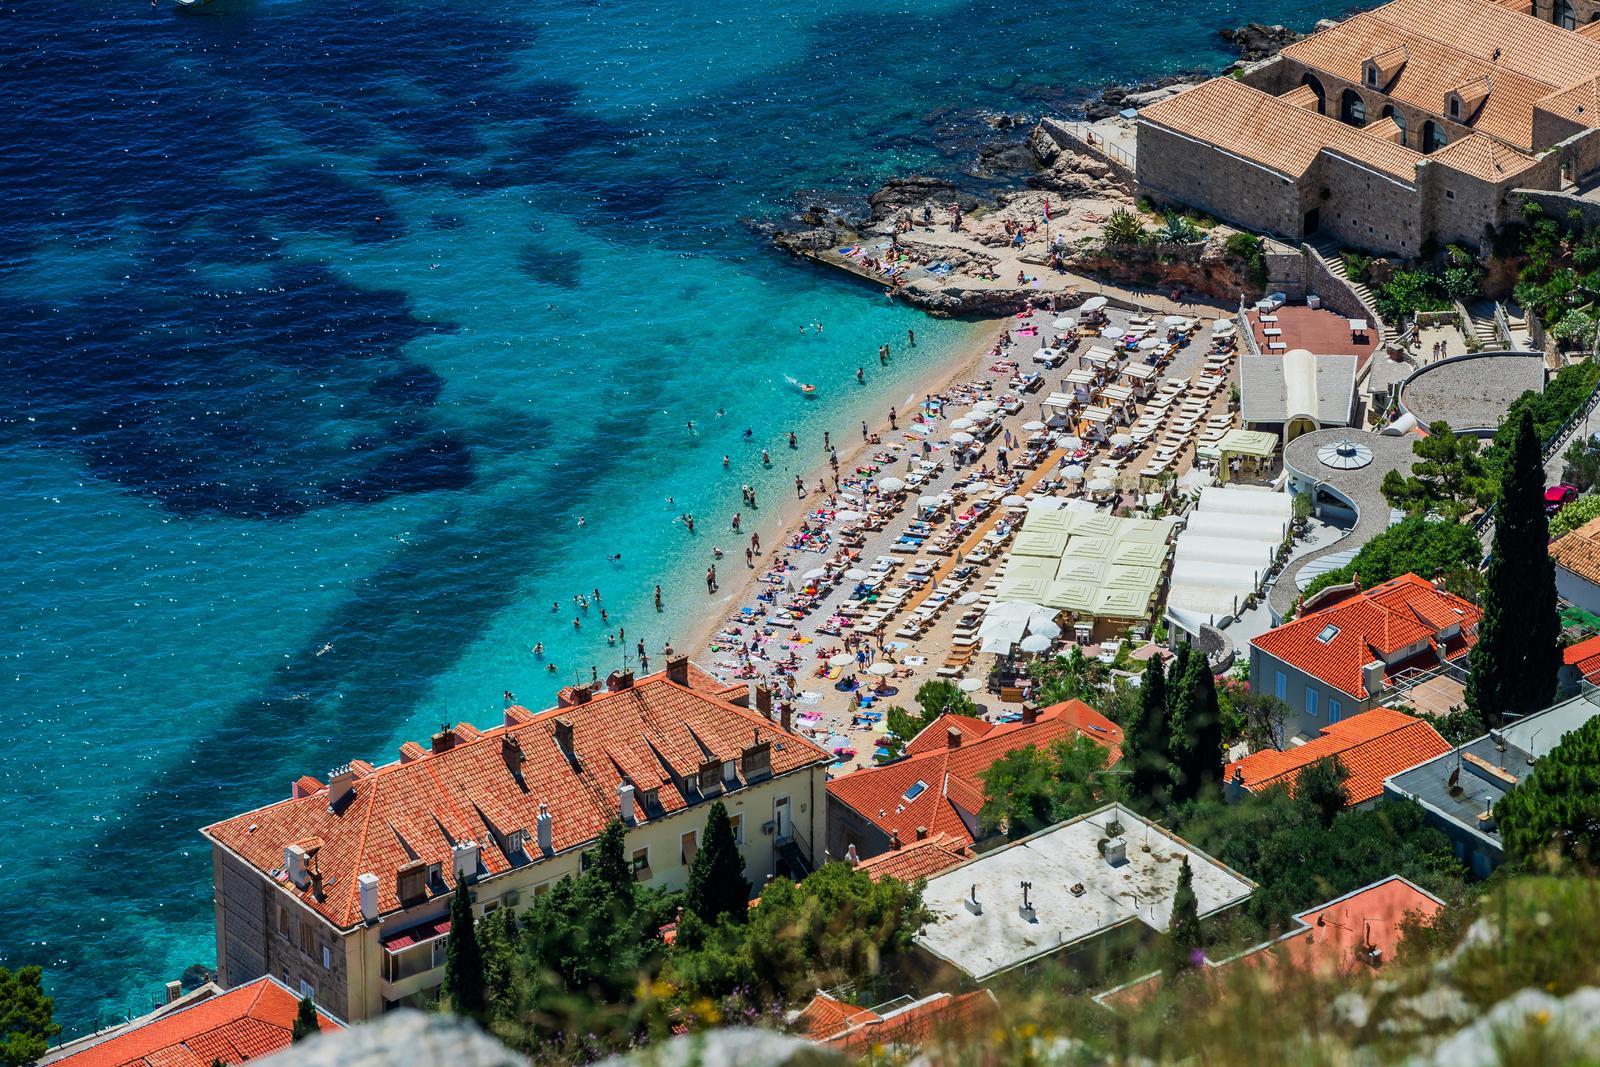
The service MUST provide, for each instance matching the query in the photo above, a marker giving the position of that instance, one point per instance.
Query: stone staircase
(1328, 252)
(1480, 324)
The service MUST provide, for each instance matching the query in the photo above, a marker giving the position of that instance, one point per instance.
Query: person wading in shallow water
(658, 598)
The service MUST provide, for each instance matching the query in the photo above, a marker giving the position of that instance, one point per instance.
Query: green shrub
(1574, 515)
(1408, 292)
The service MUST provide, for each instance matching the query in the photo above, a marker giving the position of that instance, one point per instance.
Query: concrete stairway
(1328, 252)
(1481, 325)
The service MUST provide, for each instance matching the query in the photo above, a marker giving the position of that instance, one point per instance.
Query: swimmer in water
(538, 650)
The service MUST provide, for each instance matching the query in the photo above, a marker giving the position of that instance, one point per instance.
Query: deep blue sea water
(322, 324)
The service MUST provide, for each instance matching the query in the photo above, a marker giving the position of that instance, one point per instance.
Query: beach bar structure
(1224, 553)
(1253, 449)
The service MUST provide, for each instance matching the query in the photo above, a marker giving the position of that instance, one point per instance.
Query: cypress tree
(1512, 668)
(463, 960)
(1144, 741)
(717, 885)
(1179, 740)
(1202, 765)
(1322, 786)
(305, 1022)
(1185, 943)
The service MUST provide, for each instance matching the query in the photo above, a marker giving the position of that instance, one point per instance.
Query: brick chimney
(341, 783)
(511, 752)
(922, 833)
(444, 740)
(894, 839)
(952, 737)
(572, 695)
(1030, 712)
(619, 680)
(562, 728)
(786, 712)
(763, 702)
(678, 670)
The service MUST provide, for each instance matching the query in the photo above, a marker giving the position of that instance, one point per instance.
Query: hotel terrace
(343, 890)
(1400, 126)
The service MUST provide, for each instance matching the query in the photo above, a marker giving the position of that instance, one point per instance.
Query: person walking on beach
(892, 425)
(755, 542)
(711, 579)
(864, 432)
(799, 488)
(749, 559)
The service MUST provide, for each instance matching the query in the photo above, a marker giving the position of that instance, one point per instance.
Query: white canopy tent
(1224, 552)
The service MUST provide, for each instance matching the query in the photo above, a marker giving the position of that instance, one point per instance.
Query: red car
(1559, 496)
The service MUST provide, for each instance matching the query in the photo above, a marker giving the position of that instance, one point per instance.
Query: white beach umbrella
(1150, 343)
(1100, 485)
(1071, 442)
(928, 501)
(814, 573)
(1072, 472)
(978, 418)
(882, 669)
(970, 685)
(1045, 503)
(969, 598)
(962, 424)
(986, 405)
(856, 574)
(1034, 426)
(1175, 320)
(843, 659)
(1121, 440)
(891, 485)
(1222, 327)
(1014, 501)
(1034, 643)
(962, 438)
(1113, 332)
(1094, 303)
(1047, 628)
(1065, 322)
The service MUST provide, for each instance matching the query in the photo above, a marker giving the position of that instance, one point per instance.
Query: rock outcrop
(1256, 42)
(1070, 173)
(911, 192)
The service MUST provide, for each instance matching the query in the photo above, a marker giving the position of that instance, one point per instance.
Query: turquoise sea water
(322, 325)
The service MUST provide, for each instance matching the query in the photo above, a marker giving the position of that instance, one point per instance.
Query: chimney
(367, 886)
(1372, 677)
(952, 737)
(763, 701)
(894, 839)
(1117, 851)
(625, 803)
(464, 860)
(678, 670)
(922, 833)
(972, 902)
(546, 837)
(444, 740)
(563, 735)
(411, 882)
(174, 991)
(297, 864)
(572, 695)
(619, 680)
(851, 856)
(785, 712)
(1030, 712)
(511, 752)
(1233, 790)
(341, 783)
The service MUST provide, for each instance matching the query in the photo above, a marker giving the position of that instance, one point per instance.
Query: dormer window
(1455, 107)
(1372, 75)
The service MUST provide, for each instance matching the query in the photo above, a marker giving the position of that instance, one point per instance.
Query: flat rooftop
(1317, 330)
(1076, 894)
(1472, 392)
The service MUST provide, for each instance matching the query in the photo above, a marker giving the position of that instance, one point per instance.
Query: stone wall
(1335, 292)
(1363, 208)
(1557, 204)
(1178, 169)
(1286, 271)
(1461, 205)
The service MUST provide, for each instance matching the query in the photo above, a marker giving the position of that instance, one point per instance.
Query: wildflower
(1542, 1017)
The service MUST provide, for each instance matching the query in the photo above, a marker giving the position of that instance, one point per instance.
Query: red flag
(1047, 209)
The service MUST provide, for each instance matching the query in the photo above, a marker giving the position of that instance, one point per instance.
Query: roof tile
(1371, 746)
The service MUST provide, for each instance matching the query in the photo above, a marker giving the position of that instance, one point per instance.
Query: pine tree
(609, 860)
(305, 1021)
(717, 885)
(1185, 943)
(1513, 667)
(1144, 741)
(26, 1016)
(1322, 786)
(464, 980)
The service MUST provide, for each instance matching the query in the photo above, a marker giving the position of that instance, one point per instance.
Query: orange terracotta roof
(1403, 612)
(1371, 745)
(1578, 102)
(937, 733)
(1579, 551)
(1302, 96)
(950, 794)
(859, 1030)
(245, 1023)
(1482, 157)
(655, 734)
(1385, 129)
(1455, 43)
(1590, 30)
(1331, 940)
(916, 859)
(1272, 131)
(1585, 656)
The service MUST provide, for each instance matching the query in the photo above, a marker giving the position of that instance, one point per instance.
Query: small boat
(191, 4)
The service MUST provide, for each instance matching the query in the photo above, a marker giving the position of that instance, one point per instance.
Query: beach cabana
(1059, 401)
(1033, 567)
(1253, 449)
(1048, 543)
(1023, 590)
(1076, 597)
(1041, 521)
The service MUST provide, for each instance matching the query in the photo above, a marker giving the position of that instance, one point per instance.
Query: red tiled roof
(936, 734)
(951, 791)
(1328, 940)
(246, 1023)
(916, 859)
(656, 734)
(1370, 625)
(858, 1030)
(1585, 656)
(1371, 746)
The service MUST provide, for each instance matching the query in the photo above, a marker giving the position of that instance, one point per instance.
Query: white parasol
(1072, 472)
(856, 574)
(1065, 322)
(891, 485)
(1014, 501)
(1094, 303)
(970, 685)
(1175, 320)
(843, 659)
(1121, 440)
(962, 438)
(1113, 332)
(969, 598)
(813, 574)
(1034, 643)
(882, 669)
(1033, 427)
(1100, 485)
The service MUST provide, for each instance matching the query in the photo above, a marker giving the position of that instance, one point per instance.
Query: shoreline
(776, 527)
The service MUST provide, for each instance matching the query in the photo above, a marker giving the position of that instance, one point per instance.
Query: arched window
(1352, 108)
(1316, 87)
(1564, 16)
(1434, 136)
(1392, 112)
